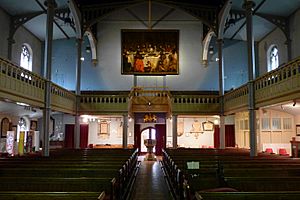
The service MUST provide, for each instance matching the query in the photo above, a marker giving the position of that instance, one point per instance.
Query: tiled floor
(150, 183)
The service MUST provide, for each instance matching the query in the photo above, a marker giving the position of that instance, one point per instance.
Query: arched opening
(26, 57)
(273, 57)
(147, 133)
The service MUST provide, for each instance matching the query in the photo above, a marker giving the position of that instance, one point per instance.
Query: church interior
(149, 99)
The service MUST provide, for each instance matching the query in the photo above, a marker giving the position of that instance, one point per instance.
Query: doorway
(158, 132)
(147, 133)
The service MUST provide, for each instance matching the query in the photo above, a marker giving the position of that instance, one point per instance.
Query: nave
(150, 182)
(121, 174)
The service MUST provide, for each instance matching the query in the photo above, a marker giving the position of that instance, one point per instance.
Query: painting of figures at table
(150, 52)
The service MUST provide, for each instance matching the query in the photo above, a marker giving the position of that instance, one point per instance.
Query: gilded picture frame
(150, 52)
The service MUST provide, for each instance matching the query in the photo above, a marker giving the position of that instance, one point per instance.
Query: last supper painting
(150, 52)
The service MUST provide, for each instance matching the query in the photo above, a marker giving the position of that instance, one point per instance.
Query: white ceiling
(288, 107)
(12, 109)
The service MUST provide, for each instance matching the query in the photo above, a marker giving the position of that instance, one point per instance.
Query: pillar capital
(50, 3)
(249, 4)
(11, 40)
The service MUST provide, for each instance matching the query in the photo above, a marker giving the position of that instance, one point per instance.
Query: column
(251, 75)
(125, 131)
(47, 74)
(78, 93)
(221, 93)
(134, 81)
(174, 130)
(11, 41)
(289, 49)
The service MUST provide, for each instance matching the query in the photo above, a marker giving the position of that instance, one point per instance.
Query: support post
(11, 41)
(47, 74)
(289, 49)
(174, 130)
(125, 131)
(221, 93)
(134, 81)
(78, 84)
(249, 4)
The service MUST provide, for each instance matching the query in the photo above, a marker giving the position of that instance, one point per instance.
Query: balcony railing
(195, 104)
(20, 85)
(279, 85)
(103, 104)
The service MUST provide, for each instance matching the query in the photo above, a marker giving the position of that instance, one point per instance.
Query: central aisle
(150, 183)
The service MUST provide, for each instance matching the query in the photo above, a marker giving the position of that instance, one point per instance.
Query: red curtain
(84, 133)
(137, 136)
(160, 138)
(69, 136)
(229, 136)
(217, 136)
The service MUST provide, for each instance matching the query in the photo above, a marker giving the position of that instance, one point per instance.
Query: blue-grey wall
(106, 75)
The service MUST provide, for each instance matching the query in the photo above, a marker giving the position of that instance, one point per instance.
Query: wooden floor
(150, 183)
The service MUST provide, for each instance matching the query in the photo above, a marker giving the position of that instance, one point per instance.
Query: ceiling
(261, 26)
(14, 109)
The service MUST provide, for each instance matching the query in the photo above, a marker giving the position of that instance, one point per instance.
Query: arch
(26, 56)
(147, 133)
(206, 43)
(5, 126)
(272, 57)
(93, 45)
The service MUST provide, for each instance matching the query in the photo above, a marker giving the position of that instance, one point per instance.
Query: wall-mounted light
(211, 50)
(88, 49)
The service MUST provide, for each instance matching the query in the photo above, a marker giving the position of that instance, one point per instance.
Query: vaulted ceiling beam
(58, 26)
(255, 10)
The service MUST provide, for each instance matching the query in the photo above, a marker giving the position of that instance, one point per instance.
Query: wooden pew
(67, 172)
(282, 195)
(51, 195)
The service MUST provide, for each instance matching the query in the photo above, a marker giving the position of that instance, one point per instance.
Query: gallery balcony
(277, 86)
(20, 85)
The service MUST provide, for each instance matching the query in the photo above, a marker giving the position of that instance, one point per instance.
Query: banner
(21, 143)
(10, 137)
(36, 141)
(29, 141)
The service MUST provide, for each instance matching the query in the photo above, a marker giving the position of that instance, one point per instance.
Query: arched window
(26, 57)
(273, 58)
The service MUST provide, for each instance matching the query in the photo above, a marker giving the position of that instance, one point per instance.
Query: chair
(269, 150)
(283, 152)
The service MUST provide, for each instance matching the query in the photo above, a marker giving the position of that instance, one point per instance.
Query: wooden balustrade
(20, 85)
(62, 99)
(95, 104)
(198, 104)
(279, 85)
